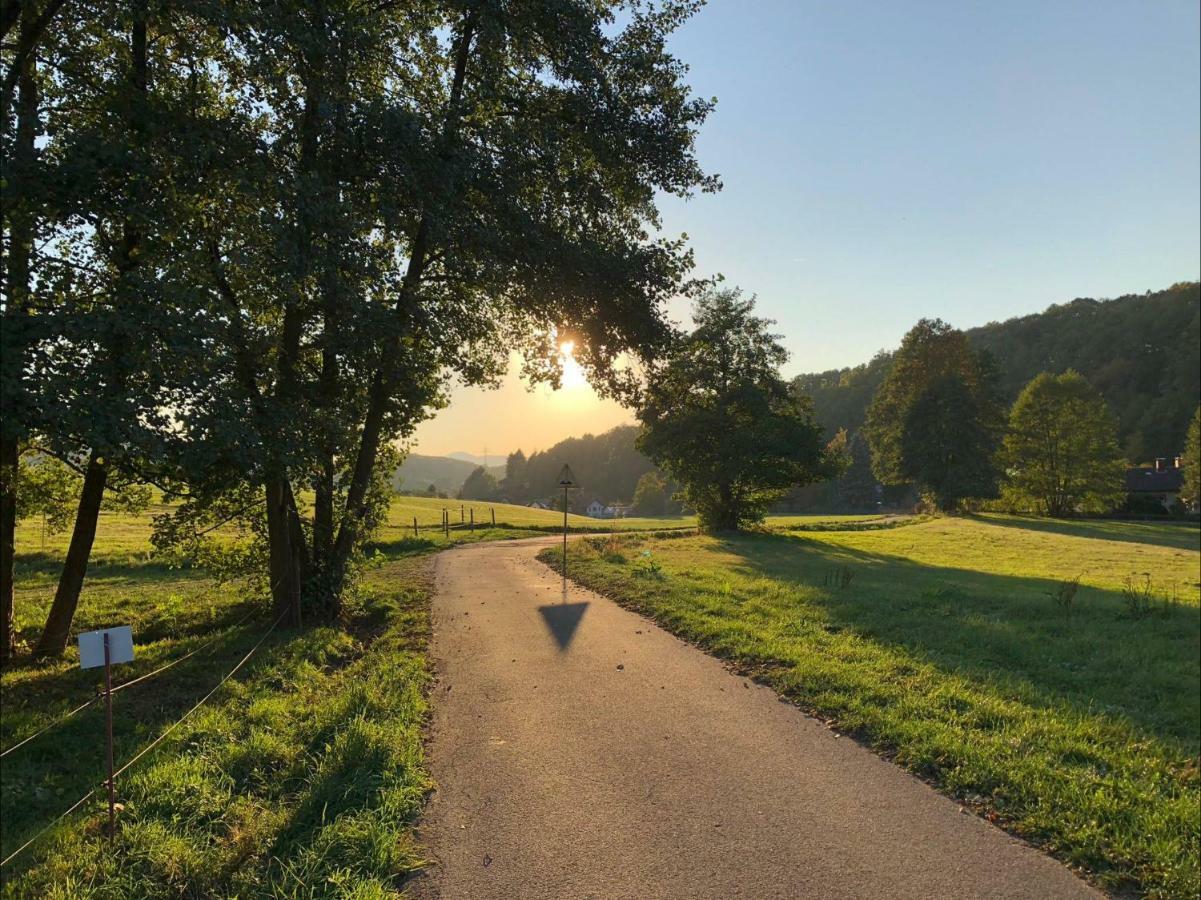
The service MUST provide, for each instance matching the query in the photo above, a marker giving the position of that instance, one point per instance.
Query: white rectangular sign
(91, 646)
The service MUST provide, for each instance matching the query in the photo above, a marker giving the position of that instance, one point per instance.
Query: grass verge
(943, 645)
(301, 777)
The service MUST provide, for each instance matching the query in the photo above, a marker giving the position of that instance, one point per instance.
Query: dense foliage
(936, 420)
(607, 466)
(1061, 452)
(480, 485)
(1142, 352)
(650, 496)
(719, 418)
(248, 246)
(1191, 492)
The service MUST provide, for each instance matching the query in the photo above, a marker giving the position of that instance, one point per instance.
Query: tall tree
(1190, 494)
(719, 418)
(480, 485)
(856, 489)
(1061, 454)
(20, 176)
(445, 184)
(515, 486)
(110, 309)
(650, 496)
(936, 419)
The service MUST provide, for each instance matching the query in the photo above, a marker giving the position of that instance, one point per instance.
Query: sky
(887, 161)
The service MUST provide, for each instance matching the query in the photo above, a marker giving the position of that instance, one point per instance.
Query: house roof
(1144, 479)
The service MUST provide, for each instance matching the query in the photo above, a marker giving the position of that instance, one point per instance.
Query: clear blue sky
(891, 160)
(885, 161)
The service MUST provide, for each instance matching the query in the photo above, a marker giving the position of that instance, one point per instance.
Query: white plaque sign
(91, 646)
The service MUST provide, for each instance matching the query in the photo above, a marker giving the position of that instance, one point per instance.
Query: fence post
(108, 725)
(460, 513)
(415, 532)
(472, 526)
(493, 508)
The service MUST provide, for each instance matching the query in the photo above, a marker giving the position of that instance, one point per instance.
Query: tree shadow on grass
(40, 779)
(131, 566)
(1178, 535)
(1003, 630)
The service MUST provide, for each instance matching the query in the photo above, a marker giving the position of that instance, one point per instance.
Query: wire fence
(149, 747)
(120, 687)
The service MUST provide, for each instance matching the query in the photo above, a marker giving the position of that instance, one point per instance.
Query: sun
(573, 374)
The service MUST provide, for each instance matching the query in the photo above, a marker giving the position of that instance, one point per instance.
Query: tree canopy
(936, 420)
(1060, 453)
(248, 247)
(721, 421)
(1191, 492)
(1139, 351)
(480, 485)
(650, 495)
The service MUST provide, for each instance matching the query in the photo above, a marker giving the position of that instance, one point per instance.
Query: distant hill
(493, 460)
(418, 472)
(606, 466)
(1141, 351)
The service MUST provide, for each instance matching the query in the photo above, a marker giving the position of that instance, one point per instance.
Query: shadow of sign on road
(562, 619)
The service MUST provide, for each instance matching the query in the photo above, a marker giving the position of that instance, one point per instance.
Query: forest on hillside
(606, 466)
(1141, 351)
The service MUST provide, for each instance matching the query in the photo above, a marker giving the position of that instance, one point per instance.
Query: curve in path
(581, 751)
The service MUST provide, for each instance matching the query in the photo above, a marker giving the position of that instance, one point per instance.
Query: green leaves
(1061, 453)
(720, 420)
(936, 418)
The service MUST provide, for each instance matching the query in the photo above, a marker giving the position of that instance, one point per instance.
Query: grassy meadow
(946, 645)
(303, 773)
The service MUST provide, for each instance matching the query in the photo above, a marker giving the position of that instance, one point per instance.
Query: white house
(598, 510)
(538, 504)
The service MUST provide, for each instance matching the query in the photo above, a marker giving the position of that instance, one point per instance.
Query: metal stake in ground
(108, 730)
(107, 648)
(567, 482)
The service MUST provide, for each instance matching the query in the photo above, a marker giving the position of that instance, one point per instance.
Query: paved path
(580, 751)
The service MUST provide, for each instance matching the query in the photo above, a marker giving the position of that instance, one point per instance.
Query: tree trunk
(323, 512)
(283, 565)
(300, 550)
(384, 378)
(9, 460)
(18, 174)
(70, 583)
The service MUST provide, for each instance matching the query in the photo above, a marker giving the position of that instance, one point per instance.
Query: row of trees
(937, 421)
(1140, 352)
(246, 245)
(719, 419)
(608, 466)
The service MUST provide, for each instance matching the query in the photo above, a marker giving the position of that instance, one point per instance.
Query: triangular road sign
(566, 478)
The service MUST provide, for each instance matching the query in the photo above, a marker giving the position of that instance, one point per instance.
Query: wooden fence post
(493, 508)
(415, 532)
(472, 526)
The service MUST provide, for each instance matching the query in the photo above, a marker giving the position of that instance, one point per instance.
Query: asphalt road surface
(581, 751)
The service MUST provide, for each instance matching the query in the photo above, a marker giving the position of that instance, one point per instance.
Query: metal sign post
(107, 647)
(567, 482)
(108, 731)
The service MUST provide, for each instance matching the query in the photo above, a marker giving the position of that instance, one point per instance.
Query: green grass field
(302, 773)
(428, 511)
(301, 776)
(941, 645)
